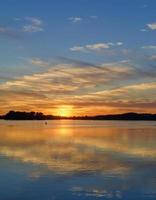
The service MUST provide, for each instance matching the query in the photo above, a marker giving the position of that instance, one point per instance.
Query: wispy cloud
(144, 30)
(149, 47)
(95, 47)
(38, 62)
(69, 78)
(27, 25)
(75, 19)
(152, 26)
(33, 25)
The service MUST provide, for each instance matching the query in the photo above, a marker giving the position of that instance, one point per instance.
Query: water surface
(77, 160)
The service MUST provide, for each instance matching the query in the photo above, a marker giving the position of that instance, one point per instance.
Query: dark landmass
(17, 115)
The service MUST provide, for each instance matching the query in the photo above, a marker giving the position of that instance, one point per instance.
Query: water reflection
(82, 149)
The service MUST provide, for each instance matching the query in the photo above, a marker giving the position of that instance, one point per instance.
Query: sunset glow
(65, 111)
(97, 66)
(77, 100)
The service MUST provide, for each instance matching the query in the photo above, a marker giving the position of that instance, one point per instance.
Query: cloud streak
(75, 19)
(149, 47)
(95, 47)
(38, 62)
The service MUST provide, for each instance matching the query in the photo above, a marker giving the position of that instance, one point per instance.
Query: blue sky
(38, 36)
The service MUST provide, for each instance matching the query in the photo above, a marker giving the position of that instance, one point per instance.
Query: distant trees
(17, 115)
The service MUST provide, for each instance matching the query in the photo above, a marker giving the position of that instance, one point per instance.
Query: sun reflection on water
(70, 149)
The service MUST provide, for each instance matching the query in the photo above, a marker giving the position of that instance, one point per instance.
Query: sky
(78, 57)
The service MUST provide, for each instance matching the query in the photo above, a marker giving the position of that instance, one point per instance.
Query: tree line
(18, 115)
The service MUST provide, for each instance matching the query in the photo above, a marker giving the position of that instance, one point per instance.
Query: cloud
(98, 46)
(80, 19)
(144, 30)
(143, 86)
(152, 26)
(149, 47)
(119, 43)
(95, 47)
(67, 78)
(27, 25)
(140, 96)
(35, 21)
(33, 25)
(77, 48)
(75, 19)
(38, 62)
(114, 87)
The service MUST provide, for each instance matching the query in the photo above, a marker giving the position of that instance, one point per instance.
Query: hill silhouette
(17, 115)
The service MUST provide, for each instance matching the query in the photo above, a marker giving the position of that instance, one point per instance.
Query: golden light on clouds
(75, 90)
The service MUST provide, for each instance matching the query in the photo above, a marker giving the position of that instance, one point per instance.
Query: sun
(64, 111)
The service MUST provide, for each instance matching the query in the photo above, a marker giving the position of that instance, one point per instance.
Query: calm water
(72, 160)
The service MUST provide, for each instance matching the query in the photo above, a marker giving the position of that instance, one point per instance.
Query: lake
(72, 160)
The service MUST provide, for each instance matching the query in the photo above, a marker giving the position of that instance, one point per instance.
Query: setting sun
(65, 111)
